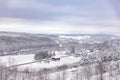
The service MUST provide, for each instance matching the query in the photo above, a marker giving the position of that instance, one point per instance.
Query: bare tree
(100, 68)
(87, 72)
(63, 75)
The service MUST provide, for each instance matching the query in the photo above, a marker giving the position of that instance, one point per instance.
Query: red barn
(55, 59)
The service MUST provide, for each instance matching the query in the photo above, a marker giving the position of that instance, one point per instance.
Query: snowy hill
(18, 41)
(13, 41)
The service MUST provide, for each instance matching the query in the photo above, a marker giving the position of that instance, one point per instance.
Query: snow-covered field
(17, 59)
(75, 37)
(20, 59)
(78, 73)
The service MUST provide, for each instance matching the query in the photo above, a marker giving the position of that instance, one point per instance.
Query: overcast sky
(60, 16)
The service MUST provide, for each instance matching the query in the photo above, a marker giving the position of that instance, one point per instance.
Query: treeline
(9, 44)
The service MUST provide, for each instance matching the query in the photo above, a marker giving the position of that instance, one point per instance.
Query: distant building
(56, 58)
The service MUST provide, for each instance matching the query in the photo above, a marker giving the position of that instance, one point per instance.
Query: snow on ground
(79, 74)
(17, 59)
(20, 59)
(66, 75)
(75, 37)
(66, 60)
(69, 74)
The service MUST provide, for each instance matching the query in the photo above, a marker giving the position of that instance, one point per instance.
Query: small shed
(56, 58)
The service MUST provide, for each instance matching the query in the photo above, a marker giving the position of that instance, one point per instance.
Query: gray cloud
(73, 16)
